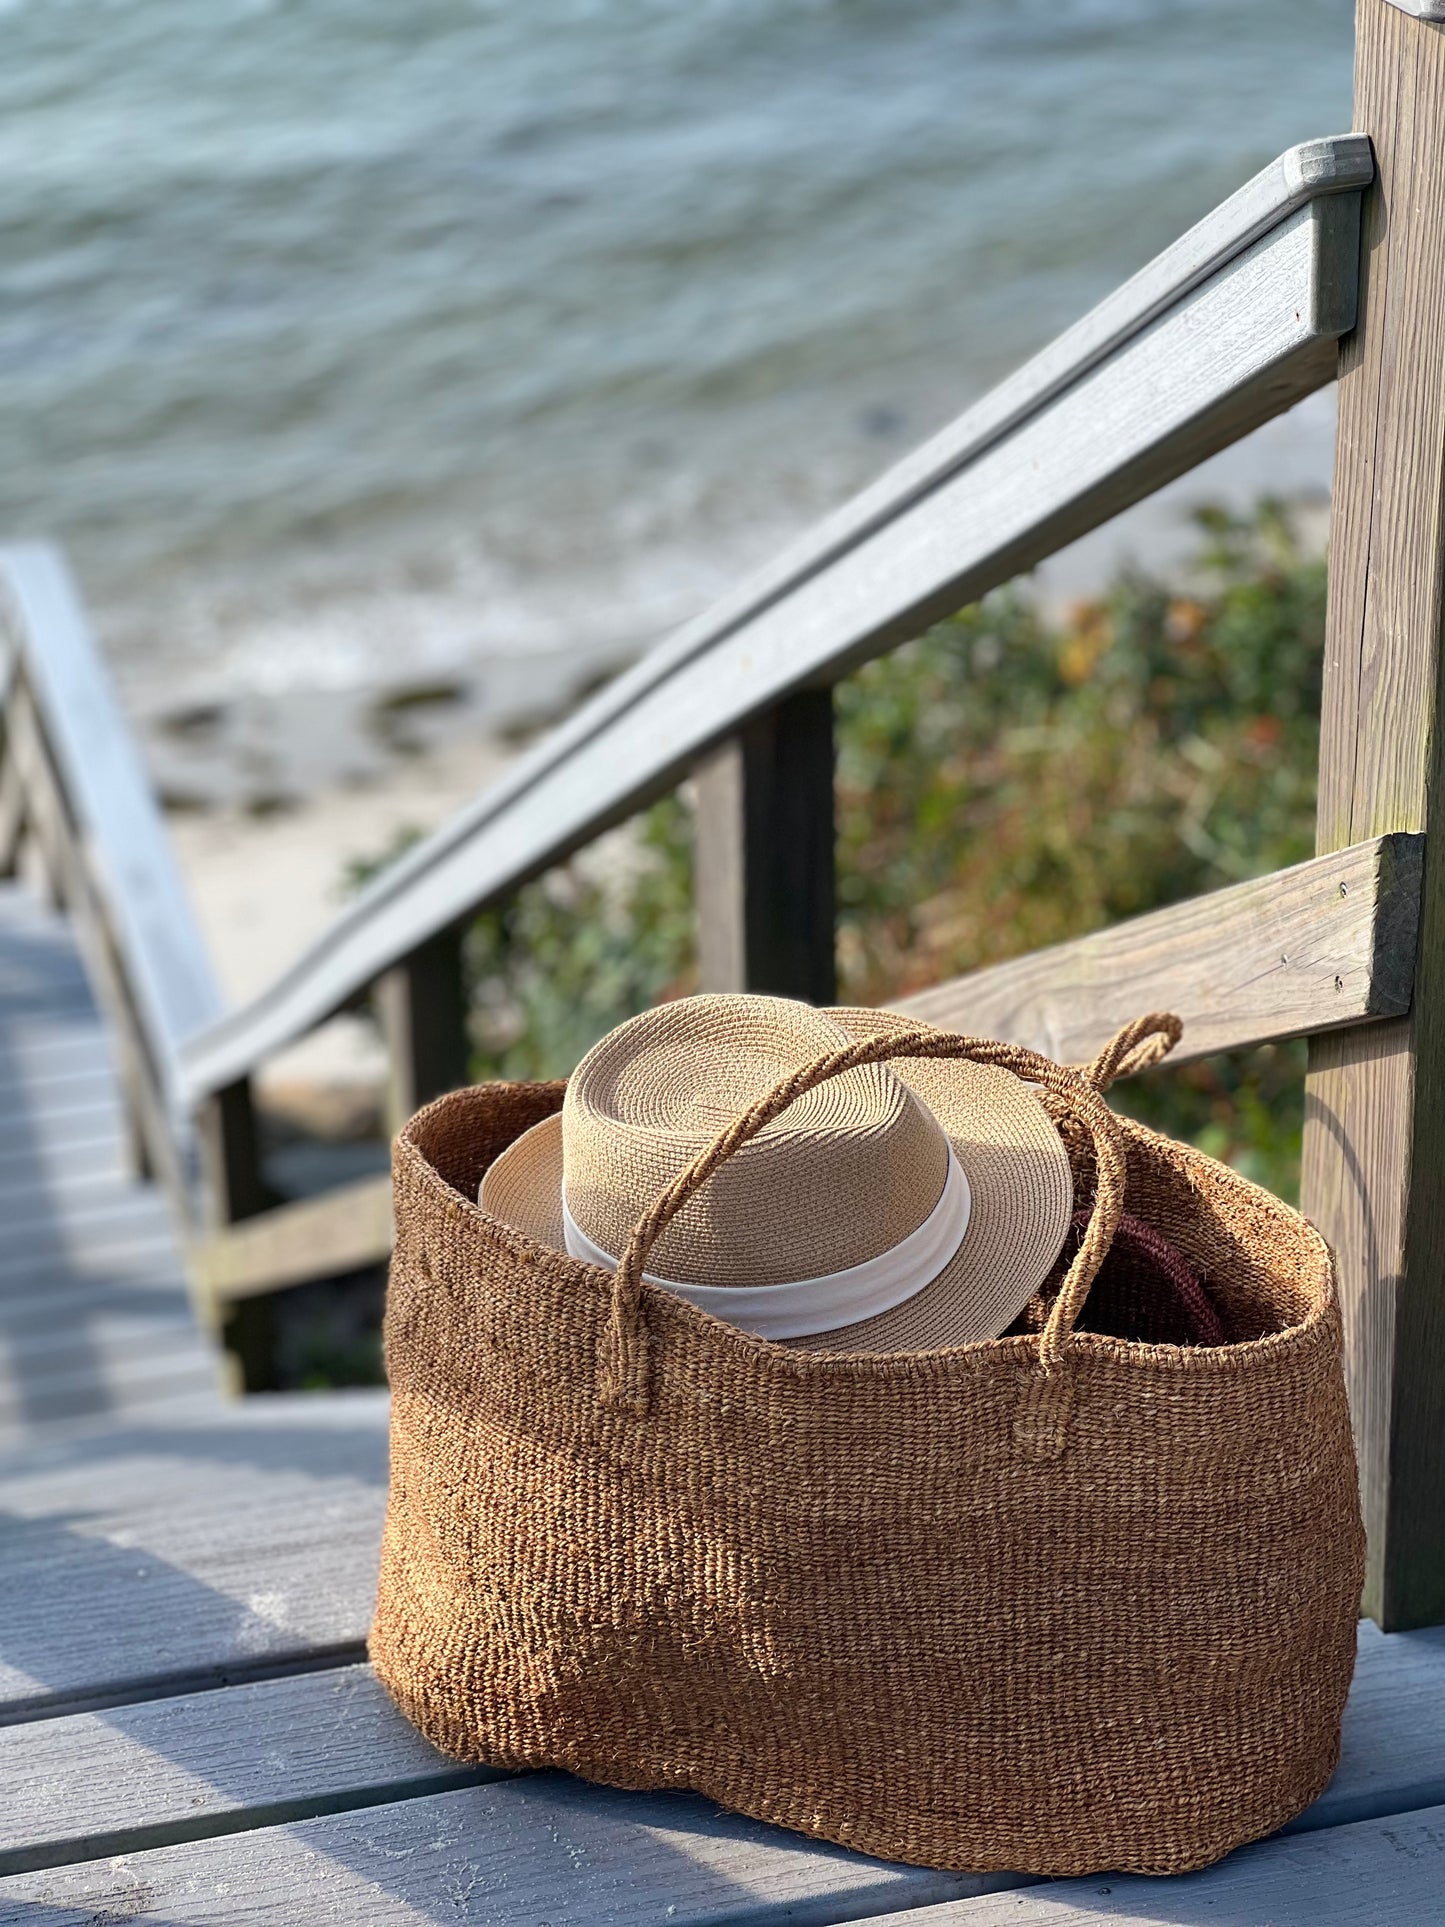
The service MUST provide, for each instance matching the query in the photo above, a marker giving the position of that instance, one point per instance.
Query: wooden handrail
(108, 798)
(1231, 325)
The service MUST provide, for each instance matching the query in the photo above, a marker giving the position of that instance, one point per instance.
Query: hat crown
(848, 1171)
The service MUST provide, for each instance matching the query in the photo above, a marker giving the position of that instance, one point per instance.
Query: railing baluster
(764, 862)
(422, 1008)
(231, 1156)
(12, 814)
(42, 823)
(234, 1189)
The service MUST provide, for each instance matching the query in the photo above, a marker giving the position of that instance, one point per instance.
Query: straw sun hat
(896, 1207)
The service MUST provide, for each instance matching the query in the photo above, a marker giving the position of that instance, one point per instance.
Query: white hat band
(805, 1306)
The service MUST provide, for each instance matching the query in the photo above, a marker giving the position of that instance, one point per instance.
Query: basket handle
(625, 1377)
(1135, 1048)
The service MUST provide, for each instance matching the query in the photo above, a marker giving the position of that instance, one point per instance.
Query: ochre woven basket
(1054, 1603)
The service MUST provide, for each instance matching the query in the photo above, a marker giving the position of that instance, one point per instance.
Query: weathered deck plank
(91, 1297)
(50, 1136)
(542, 1848)
(157, 1557)
(1377, 1872)
(193, 1766)
(551, 1850)
(68, 1250)
(204, 1764)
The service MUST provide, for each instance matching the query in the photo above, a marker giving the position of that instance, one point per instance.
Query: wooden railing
(72, 783)
(1235, 322)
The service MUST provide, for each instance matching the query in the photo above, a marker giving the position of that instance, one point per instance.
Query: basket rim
(1319, 1326)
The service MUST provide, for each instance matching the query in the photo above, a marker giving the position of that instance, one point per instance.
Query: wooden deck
(189, 1732)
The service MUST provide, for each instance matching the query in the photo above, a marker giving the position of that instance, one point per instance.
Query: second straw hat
(896, 1207)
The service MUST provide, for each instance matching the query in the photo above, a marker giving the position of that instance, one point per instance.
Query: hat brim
(1018, 1174)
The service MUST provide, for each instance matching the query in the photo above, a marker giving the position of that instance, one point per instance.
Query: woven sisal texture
(938, 1606)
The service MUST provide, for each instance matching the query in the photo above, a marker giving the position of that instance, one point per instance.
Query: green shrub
(1007, 782)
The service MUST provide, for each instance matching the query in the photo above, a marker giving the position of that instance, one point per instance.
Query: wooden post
(422, 1008)
(764, 877)
(12, 816)
(231, 1156)
(235, 1189)
(1374, 1162)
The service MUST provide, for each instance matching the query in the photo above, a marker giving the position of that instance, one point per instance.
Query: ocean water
(345, 344)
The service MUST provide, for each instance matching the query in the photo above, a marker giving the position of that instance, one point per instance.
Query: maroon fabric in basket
(1145, 1291)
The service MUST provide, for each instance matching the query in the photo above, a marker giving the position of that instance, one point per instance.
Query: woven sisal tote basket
(1054, 1603)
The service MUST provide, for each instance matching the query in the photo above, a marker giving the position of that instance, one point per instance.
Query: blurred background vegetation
(1008, 780)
